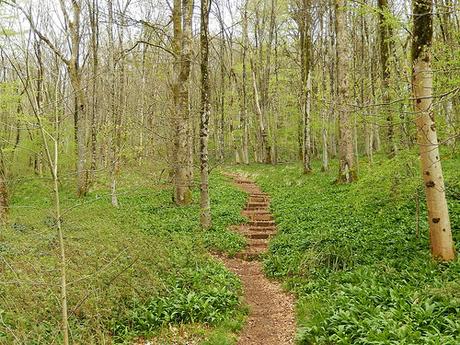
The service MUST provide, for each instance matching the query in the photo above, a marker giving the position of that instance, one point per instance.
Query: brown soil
(271, 316)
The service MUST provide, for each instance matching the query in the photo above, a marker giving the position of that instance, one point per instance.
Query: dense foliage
(351, 254)
(131, 270)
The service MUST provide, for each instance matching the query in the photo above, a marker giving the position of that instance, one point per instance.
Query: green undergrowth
(142, 270)
(352, 255)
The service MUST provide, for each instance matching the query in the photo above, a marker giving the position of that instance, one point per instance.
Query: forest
(230, 172)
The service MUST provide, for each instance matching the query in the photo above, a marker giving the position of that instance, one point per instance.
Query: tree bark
(79, 95)
(347, 173)
(244, 111)
(303, 23)
(182, 47)
(385, 34)
(205, 206)
(442, 246)
(114, 109)
(260, 119)
(94, 25)
(221, 121)
(3, 191)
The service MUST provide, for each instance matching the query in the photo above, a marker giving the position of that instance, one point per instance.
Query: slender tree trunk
(450, 122)
(114, 110)
(221, 132)
(94, 20)
(57, 208)
(38, 164)
(333, 79)
(442, 246)
(244, 110)
(300, 137)
(385, 38)
(266, 69)
(205, 206)
(323, 93)
(53, 163)
(325, 158)
(375, 130)
(307, 142)
(303, 23)
(79, 118)
(3, 191)
(260, 117)
(347, 173)
(275, 106)
(182, 47)
(366, 57)
(79, 98)
(191, 131)
(142, 150)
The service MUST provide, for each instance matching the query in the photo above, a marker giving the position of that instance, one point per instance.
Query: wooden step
(260, 235)
(257, 205)
(259, 196)
(260, 207)
(261, 216)
(258, 199)
(262, 223)
(262, 229)
(256, 209)
(258, 215)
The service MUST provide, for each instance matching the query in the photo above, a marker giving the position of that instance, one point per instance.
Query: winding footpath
(271, 311)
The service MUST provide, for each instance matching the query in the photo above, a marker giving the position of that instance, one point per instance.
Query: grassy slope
(351, 255)
(131, 270)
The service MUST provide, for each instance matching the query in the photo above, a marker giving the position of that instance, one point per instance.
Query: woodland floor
(351, 255)
(271, 318)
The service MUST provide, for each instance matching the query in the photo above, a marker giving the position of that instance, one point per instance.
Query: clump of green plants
(132, 271)
(157, 214)
(206, 295)
(352, 254)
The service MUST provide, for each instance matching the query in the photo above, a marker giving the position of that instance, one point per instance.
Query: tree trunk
(260, 118)
(114, 109)
(385, 36)
(205, 206)
(442, 246)
(347, 173)
(307, 143)
(94, 20)
(244, 112)
(79, 124)
(182, 47)
(221, 129)
(450, 122)
(303, 23)
(3, 191)
(79, 98)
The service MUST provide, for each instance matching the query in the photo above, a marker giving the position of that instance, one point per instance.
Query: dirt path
(271, 317)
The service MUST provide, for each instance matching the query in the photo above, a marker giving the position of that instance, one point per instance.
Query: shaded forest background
(105, 72)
